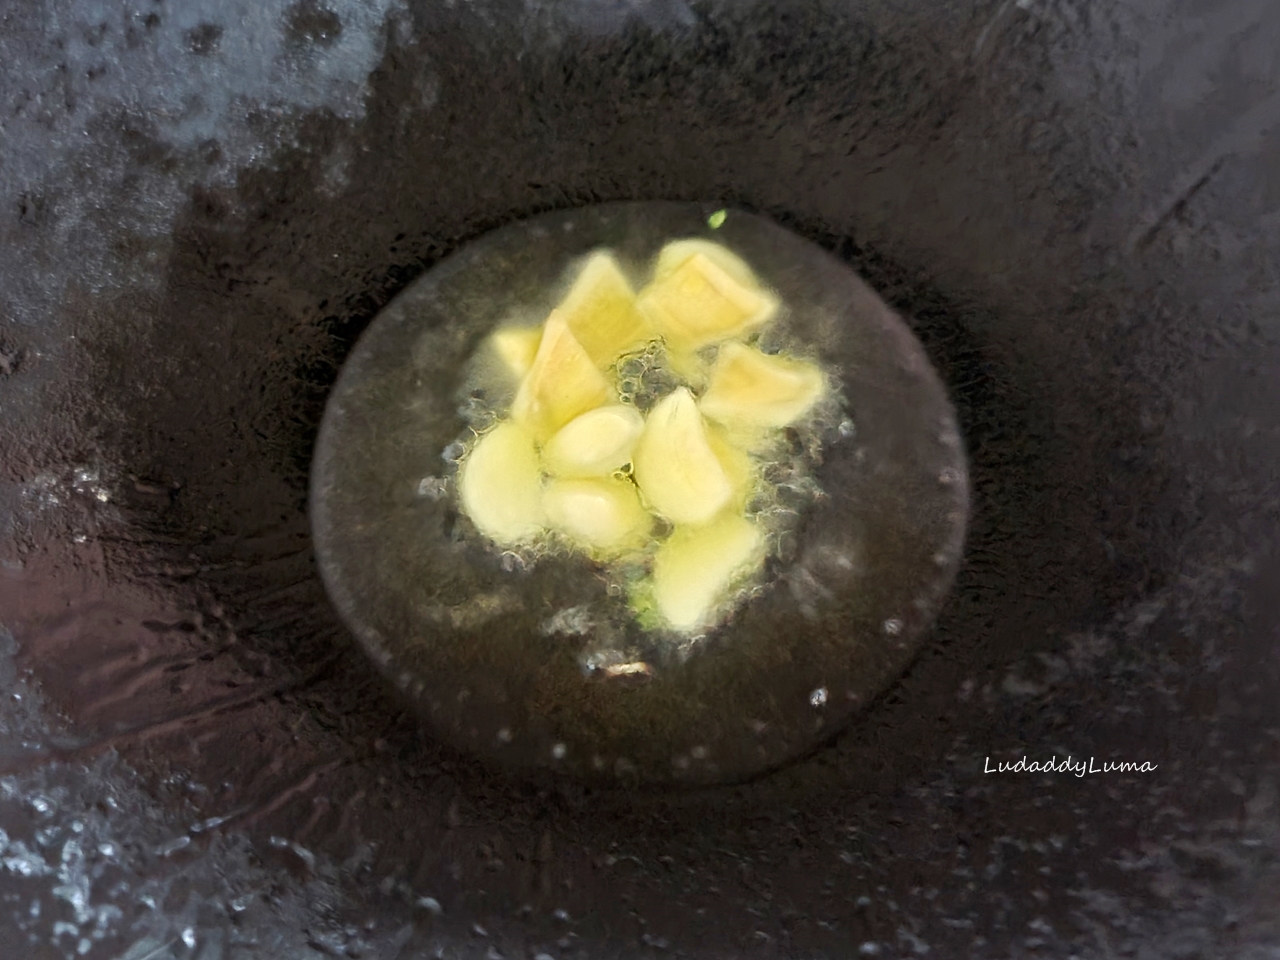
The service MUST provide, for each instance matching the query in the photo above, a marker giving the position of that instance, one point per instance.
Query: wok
(1076, 207)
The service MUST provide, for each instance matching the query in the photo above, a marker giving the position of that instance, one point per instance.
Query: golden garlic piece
(601, 514)
(500, 485)
(601, 311)
(596, 443)
(677, 471)
(695, 566)
(514, 349)
(751, 389)
(562, 382)
(675, 253)
(739, 468)
(699, 303)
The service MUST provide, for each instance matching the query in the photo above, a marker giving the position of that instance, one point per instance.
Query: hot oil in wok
(534, 653)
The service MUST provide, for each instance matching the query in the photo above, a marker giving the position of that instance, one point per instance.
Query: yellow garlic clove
(514, 349)
(738, 466)
(601, 311)
(675, 253)
(594, 444)
(695, 566)
(500, 485)
(562, 383)
(678, 472)
(699, 303)
(600, 514)
(756, 390)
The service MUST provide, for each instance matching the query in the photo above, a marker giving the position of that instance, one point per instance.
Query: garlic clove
(740, 470)
(514, 349)
(562, 382)
(674, 465)
(500, 485)
(695, 566)
(675, 253)
(601, 514)
(594, 444)
(700, 303)
(601, 311)
(751, 389)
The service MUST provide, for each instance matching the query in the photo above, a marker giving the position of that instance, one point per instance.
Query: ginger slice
(601, 514)
(562, 383)
(699, 303)
(695, 565)
(756, 390)
(500, 485)
(601, 311)
(594, 444)
(514, 349)
(677, 471)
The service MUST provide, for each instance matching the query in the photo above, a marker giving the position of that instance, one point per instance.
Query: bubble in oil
(643, 377)
(433, 488)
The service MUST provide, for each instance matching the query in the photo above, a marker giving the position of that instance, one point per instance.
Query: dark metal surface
(1077, 205)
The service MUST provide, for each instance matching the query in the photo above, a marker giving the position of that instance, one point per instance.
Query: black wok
(1077, 208)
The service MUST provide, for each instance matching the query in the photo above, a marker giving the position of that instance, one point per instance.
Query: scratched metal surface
(1076, 204)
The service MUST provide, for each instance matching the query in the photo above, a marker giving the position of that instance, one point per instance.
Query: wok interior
(1092, 291)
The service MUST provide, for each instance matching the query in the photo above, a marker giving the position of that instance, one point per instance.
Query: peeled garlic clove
(752, 389)
(700, 303)
(675, 253)
(605, 515)
(601, 311)
(695, 566)
(500, 485)
(738, 466)
(678, 472)
(594, 444)
(514, 349)
(562, 383)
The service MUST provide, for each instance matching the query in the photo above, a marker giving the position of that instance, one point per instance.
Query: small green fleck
(644, 607)
(717, 219)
